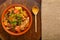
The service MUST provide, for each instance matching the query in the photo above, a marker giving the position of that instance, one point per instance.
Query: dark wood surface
(30, 35)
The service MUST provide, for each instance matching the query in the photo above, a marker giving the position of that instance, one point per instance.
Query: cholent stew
(16, 19)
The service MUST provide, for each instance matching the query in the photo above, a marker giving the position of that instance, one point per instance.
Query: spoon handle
(35, 23)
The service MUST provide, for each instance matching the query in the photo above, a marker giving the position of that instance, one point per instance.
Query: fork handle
(35, 23)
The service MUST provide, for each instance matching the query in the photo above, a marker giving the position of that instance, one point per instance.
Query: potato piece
(5, 22)
(22, 28)
(23, 18)
(25, 14)
(10, 18)
(7, 27)
(18, 8)
(11, 9)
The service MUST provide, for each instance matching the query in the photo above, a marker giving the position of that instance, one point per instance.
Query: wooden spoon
(35, 11)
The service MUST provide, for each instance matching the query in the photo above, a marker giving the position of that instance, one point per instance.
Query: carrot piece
(16, 11)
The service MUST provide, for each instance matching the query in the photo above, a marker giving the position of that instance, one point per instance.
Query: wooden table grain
(30, 35)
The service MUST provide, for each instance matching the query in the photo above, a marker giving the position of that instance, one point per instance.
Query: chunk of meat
(23, 25)
(25, 13)
(17, 28)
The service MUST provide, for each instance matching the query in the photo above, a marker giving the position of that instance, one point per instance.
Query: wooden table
(30, 35)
